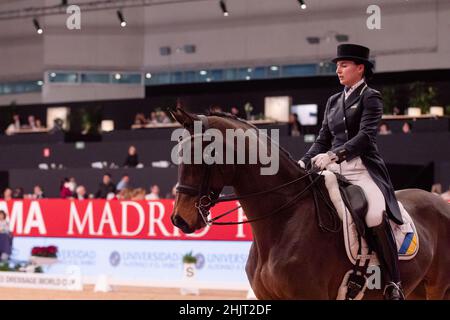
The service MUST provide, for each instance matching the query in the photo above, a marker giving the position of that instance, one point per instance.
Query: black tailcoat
(349, 129)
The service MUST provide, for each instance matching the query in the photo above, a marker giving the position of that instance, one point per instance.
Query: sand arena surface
(118, 293)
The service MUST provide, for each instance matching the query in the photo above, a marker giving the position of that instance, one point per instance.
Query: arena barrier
(131, 242)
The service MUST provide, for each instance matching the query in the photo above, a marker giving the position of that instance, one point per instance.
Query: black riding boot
(386, 250)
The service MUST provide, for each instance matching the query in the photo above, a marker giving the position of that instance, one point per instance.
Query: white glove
(322, 160)
(301, 164)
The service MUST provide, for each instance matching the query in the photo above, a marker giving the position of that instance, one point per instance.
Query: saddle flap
(355, 200)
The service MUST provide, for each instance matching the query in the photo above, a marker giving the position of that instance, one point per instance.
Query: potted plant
(189, 258)
(248, 110)
(189, 262)
(189, 271)
(422, 97)
(389, 95)
(44, 255)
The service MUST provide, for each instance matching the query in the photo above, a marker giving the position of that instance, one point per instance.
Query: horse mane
(227, 115)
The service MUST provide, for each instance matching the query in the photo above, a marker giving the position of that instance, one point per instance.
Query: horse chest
(276, 279)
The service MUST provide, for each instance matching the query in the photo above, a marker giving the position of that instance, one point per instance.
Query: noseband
(208, 198)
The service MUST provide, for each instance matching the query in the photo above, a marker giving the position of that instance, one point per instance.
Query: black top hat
(353, 52)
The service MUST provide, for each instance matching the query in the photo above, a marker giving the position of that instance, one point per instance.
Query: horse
(292, 255)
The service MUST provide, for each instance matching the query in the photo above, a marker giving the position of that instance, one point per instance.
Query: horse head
(199, 182)
(239, 155)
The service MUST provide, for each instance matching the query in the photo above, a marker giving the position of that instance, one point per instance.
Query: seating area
(48, 158)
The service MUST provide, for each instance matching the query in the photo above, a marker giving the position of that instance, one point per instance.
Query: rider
(347, 144)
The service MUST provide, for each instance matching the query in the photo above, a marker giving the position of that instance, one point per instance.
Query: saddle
(356, 202)
(351, 206)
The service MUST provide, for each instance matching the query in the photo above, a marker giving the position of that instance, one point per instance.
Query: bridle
(208, 197)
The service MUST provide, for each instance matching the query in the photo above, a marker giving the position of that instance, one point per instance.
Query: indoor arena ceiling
(161, 14)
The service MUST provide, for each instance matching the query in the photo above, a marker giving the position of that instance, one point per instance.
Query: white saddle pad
(405, 235)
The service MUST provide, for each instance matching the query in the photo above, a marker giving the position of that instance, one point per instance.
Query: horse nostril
(179, 222)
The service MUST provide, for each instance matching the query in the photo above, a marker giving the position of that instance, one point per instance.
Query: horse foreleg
(438, 293)
(419, 293)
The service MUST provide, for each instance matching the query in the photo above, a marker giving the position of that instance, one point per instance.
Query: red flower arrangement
(49, 252)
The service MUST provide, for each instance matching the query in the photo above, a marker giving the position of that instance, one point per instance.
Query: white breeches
(356, 172)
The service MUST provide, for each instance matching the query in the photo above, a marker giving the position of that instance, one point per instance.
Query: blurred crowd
(156, 117)
(17, 126)
(383, 128)
(107, 189)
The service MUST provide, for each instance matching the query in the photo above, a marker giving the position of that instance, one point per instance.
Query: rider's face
(349, 72)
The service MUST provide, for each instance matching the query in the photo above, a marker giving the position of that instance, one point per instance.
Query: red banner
(113, 219)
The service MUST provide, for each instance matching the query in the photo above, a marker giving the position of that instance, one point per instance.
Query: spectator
(235, 111)
(173, 193)
(80, 193)
(154, 193)
(18, 193)
(132, 158)
(215, 108)
(106, 187)
(5, 237)
(31, 122)
(407, 127)
(14, 126)
(4, 224)
(139, 119)
(383, 129)
(16, 122)
(38, 124)
(124, 183)
(7, 194)
(125, 194)
(64, 189)
(153, 118)
(138, 194)
(294, 125)
(38, 193)
(163, 118)
(58, 126)
(72, 184)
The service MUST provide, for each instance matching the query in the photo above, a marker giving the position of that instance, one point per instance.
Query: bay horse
(293, 256)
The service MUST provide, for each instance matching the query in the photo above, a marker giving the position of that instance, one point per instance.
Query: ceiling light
(123, 23)
(302, 4)
(223, 6)
(37, 26)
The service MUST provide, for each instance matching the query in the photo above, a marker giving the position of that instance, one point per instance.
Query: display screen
(307, 113)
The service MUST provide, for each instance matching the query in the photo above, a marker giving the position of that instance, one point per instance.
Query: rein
(209, 198)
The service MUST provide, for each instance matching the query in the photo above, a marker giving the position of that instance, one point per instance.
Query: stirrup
(395, 286)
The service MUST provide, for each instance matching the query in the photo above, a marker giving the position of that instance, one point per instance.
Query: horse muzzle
(181, 224)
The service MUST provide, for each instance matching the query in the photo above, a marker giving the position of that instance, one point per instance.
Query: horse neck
(250, 181)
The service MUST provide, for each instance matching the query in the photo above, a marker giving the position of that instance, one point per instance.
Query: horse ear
(185, 118)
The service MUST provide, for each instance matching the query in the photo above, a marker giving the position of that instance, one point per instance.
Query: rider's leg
(385, 245)
(386, 250)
